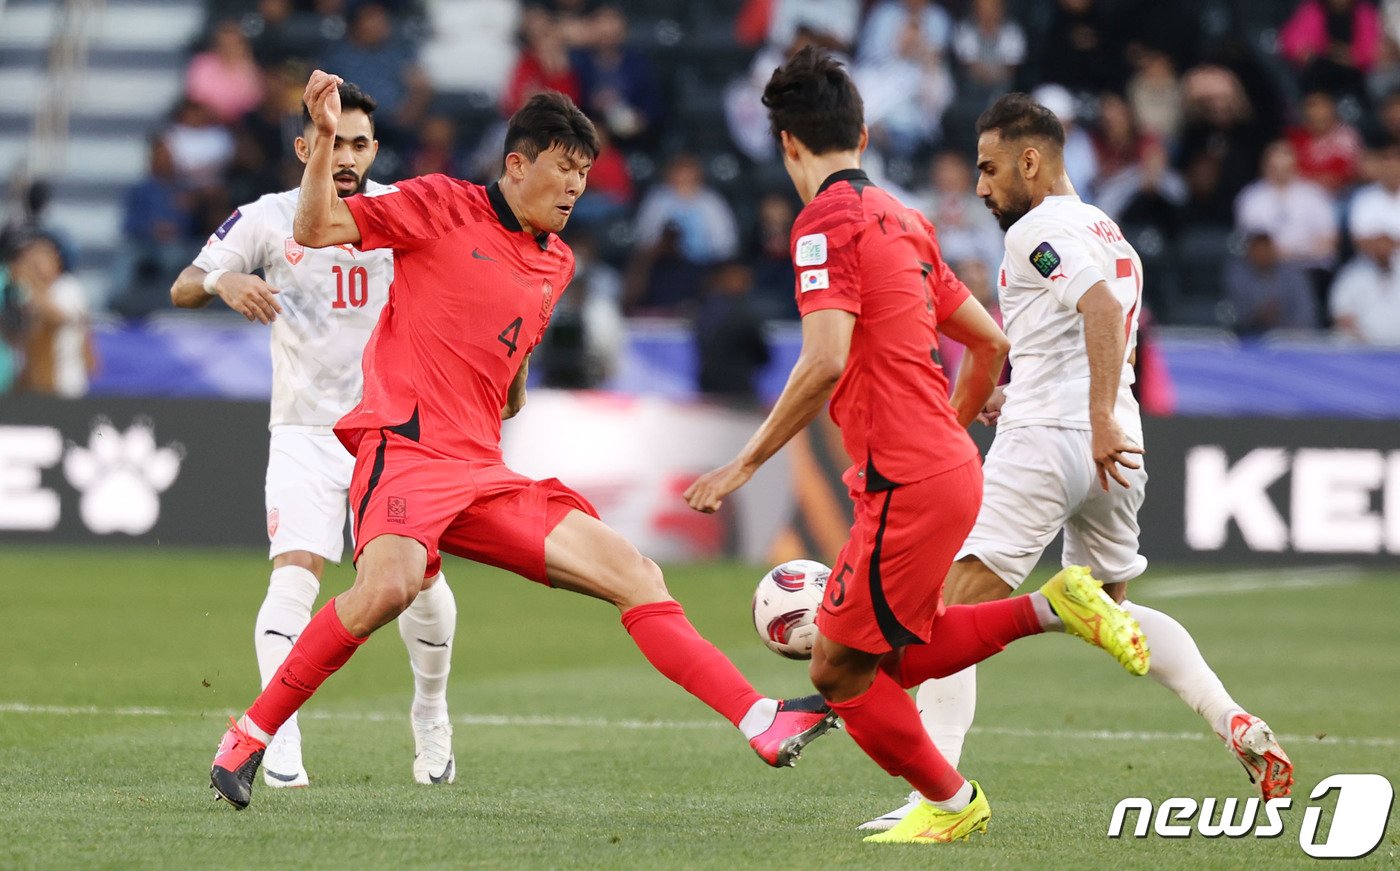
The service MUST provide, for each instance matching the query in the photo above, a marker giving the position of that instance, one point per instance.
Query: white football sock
(1177, 664)
(759, 717)
(946, 707)
(1049, 620)
(426, 628)
(959, 800)
(285, 611)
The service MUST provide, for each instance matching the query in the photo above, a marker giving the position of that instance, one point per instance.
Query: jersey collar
(507, 217)
(854, 176)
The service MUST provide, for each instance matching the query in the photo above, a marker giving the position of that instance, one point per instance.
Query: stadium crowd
(1250, 151)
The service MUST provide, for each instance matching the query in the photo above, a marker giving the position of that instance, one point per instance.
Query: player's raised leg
(427, 627)
(390, 574)
(584, 555)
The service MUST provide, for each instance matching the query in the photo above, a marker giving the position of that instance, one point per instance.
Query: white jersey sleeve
(1052, 258)
(240, 243)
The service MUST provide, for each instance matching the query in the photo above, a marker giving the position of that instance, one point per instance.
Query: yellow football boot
(1090, 613)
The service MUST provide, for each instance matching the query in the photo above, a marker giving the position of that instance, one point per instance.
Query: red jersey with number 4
(472, 294)
(858, 249)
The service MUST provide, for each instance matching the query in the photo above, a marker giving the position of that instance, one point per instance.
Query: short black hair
(1017, 116)
(812, 98)
(547, 119)
(351, 97)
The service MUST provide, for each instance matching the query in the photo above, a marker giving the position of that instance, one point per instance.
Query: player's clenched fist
(322, 98)
(709, 490)
(250, 296)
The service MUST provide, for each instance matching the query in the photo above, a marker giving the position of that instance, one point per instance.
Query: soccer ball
(785, 607)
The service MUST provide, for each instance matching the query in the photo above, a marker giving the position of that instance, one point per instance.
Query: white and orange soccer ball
(785, 607)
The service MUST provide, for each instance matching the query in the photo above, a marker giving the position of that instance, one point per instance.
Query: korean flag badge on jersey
(814, 279)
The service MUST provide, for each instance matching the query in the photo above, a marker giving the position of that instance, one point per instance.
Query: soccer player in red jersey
(874, 295)
(477, 271)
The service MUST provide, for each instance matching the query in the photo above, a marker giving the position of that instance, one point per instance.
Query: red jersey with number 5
(858, 249)
(471, 297)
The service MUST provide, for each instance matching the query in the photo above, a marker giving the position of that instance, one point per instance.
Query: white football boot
(433, 762)
(282, 762)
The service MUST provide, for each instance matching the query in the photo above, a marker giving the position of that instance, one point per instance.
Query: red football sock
(965, 635)
(885, 724)
(675, 649)
(321, 649)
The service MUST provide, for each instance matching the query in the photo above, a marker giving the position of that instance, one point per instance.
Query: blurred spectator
(729, 336)
(29, 199)
(58, 352)
(1154, 92)
(382, 65)
(11, 323)
(1220, 145)
(1333, 43)
(272, 128)
(543, 64)
(660, 280)
(903, 76)
(770, 253)
(1328, 151)
(1131, 163)
(200, 147)
(618, 82)
(225, 78)
(1082, 48)
(436, 150)
(706, 227)
(1150, 195)
(586, 331)
(837, 19)
(1265, 292)
(989, 49)
(1081, 165)
(965, 226)
(1365, 298)
(1297, 214)
(157, 227)
(1387, 125)
(268, 32)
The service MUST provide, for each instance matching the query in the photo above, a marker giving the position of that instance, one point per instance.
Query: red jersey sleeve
(826, 256)
(408, 214)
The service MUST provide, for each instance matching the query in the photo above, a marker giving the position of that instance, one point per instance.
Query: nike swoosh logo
(446, 773)
(285, 778)
(476, 252)
(431, 644)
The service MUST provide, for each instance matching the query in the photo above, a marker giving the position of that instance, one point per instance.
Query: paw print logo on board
(121, 476)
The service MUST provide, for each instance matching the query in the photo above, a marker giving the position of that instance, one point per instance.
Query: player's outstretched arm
(826, 342)
(322, 218)
(987, 347)
(1104, 341)
(248, 295)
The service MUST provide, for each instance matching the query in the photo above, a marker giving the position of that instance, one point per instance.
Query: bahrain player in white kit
(1067, 454)
(322, 304)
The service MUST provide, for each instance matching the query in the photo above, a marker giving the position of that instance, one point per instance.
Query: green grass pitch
(120, 667)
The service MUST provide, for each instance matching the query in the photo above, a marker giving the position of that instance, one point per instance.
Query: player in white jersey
(1069, 436)
(322, 305)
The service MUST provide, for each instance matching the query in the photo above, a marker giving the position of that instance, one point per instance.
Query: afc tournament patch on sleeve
(811, 250)
(387, 189)
(227, 224)
(815, 279)
(1045, 259)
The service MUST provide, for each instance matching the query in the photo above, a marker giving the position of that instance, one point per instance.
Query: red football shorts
(887, 588)
(476, 509)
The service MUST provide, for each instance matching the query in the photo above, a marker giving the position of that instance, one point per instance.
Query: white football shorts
(1041, 479)
(308, 478)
